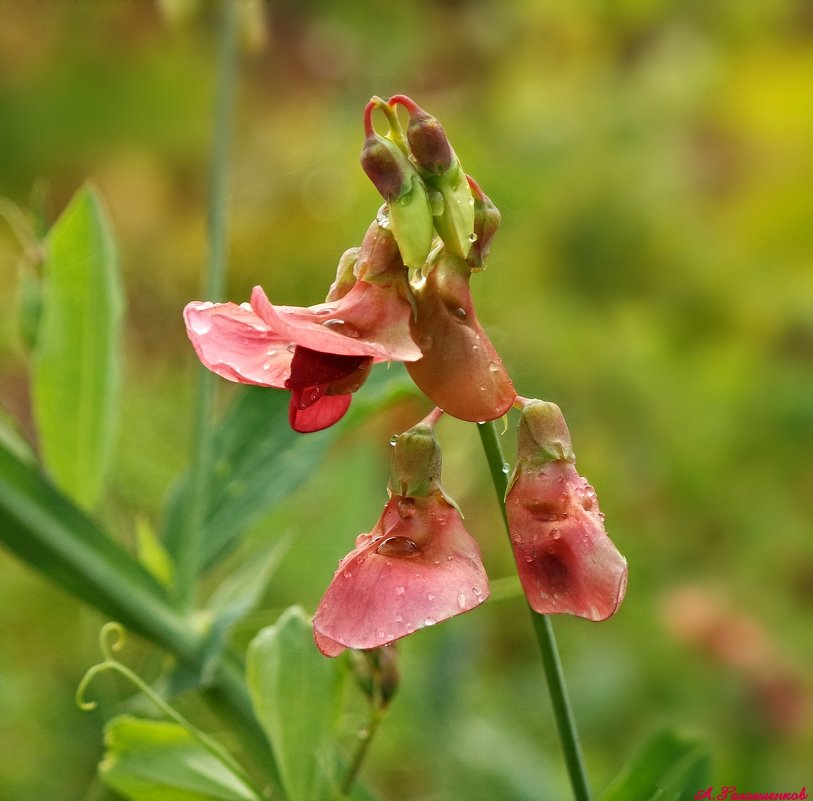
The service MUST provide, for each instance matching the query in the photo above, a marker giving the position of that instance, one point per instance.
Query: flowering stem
(189, 545)
(365, 737)
(544, 635)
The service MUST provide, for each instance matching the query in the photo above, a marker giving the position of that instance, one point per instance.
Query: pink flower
(461, 372)
(566, 561)
(322, 353)
(417, 566)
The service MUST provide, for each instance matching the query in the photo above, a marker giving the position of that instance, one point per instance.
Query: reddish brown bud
(430, 147)
(386, 166)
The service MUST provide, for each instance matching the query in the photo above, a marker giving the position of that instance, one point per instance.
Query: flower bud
(460, 370)
(416, 462)
(345, 276)
(487, 219)
(386, 166)
(376, 673)
(453, 206)
(427, 140)
(566, 561)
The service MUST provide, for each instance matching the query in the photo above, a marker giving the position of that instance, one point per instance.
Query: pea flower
(566, 561)
(321, 353)
(417, 567)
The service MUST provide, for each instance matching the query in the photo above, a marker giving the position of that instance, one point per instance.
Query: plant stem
(365, 738)
(189, 546)
(544, 634)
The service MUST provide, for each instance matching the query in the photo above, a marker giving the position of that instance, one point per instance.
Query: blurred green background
(653, 275)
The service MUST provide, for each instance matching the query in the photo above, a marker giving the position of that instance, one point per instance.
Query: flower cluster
(404, 295)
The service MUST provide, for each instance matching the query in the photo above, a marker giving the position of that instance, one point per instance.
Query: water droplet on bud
(400, 547)
(460, 313)
(493, 367)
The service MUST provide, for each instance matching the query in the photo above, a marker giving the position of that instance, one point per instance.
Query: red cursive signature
(730, 793)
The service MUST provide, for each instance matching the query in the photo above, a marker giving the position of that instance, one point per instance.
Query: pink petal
(310, 367)
(417, 567)
(316, 414)
(235, 343)
(327, 646)
(461, 372)
(566, 561)
(369, 321)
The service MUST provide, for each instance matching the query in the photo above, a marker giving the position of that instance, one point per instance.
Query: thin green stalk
(189, 544)
(365, 738)
(544, 635)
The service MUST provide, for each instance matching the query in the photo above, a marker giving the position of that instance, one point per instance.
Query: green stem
(365, 738)
(189, 548)
(544, 635)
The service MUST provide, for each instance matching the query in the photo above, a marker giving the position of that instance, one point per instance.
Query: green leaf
(260, 460)
(296, 694)
(151, 552)
(76, 361)
(671, 766)
(148, 760)
(54, 536)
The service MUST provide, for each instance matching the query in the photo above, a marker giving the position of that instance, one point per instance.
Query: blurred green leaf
(151, 552)
(296, 695)
(50, 533)
(149, 760)
(76, 361)
(260, 460)
(671, 766)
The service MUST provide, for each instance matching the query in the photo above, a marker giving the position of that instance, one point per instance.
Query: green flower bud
(410, 219)
(455, 219)
(543, 433)
(416, 461)
(487, 219)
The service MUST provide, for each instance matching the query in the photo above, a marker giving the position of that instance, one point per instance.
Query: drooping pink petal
(235, 343)
(417, 567)
(460, 370)
(370, 320)
(566, 561)
(314, 415)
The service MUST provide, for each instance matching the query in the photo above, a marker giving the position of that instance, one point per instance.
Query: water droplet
(506, 468)
(410, 627)
(471, 201)
(460, 313)
(200, 325)
(602, 516)
(394, 440)
(472, 237)
(449, 558)
(424, 342)
(405, 200)
(429, 621)
(399, 590)
(482, 387)
(555, 533)
(359, 560)
(341, 327)
(323, 312)
(246, 306)
(461, 600)
(267, 366)
(400, 547)
(271, 352)
(406, 508)
(399, 618)
(430, 597)
(290, 347)
(477, 591)
(493, 367)
(347, 574)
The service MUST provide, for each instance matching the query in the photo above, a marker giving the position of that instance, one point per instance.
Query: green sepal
(410, 218)
(455, 220)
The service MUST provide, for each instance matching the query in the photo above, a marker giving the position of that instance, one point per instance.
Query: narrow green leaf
(260, 460)
(76, 360)
(148, 760)
(50, 533)
(151, 552)
(296, 695)
(671, 766)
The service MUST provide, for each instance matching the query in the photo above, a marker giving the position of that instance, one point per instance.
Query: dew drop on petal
(477, 591)
(461, 600)
(347, 574)
(401, 547)
(493, 366)
(399, 590)
(460, 313)
(406, 508)
(399, 618)
(472, 237)
(430, 621)
(430, 597)
(201, 325)
(341, 327)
